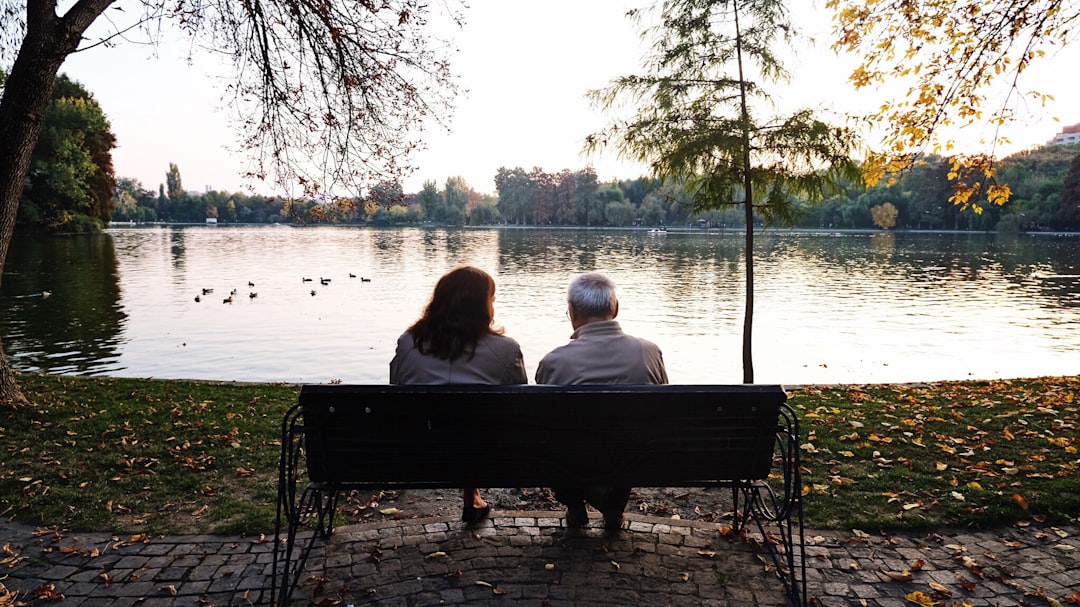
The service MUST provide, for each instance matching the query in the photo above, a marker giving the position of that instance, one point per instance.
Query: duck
(324, 281)
(253, 295)
(313, 292)
(227, 300)
(351, 275)
(197, 299)
(362, 279)
(305, 279)
(207, 291)
(46, 294)
(233, 292)
(251, 284)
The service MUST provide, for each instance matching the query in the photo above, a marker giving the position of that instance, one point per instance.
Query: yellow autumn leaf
(920, 598)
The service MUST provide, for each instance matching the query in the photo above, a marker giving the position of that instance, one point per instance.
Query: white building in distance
(1068, 135)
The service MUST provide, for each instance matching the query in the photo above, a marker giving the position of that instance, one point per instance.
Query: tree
(329, 94)
(697, 119)
(515, 194)
(431, 202)
(950, 56)
(884, 215)
(457, 194)
(70, 184)
(619, 213)
(1068, 214)
(542, 195)
(174, 185)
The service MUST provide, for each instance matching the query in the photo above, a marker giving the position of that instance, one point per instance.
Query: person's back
(454, 342)
(598, 353)
(495, 359)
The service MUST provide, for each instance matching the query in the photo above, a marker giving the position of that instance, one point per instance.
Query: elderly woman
(455, 342)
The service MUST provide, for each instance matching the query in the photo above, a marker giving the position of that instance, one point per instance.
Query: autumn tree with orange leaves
(960, 63)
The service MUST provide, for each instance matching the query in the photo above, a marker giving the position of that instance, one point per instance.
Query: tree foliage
(1067, 216)
(884, 215)
(701, 116)
(70, 184)
(959, 63)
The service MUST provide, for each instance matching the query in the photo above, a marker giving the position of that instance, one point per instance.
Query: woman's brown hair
(458, 315)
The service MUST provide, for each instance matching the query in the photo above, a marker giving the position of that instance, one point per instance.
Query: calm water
(830, 308)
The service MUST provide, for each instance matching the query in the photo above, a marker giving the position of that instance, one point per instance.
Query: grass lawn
(157, 456)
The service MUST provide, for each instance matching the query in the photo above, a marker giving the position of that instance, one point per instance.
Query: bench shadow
(531, 558)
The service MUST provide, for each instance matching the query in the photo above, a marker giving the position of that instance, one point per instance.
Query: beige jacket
(600, 353)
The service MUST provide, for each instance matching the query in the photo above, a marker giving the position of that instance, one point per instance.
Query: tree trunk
(748, 195)
(49, 40)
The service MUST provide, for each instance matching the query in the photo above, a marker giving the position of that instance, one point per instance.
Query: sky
(526, 66)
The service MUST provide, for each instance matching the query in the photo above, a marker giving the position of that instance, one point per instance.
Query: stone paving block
(513, 558)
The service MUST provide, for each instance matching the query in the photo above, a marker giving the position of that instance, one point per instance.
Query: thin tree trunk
(748, 204)
(49, 40)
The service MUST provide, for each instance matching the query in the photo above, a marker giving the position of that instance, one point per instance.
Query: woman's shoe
(613, 522)
(471, 515)
(577, 517)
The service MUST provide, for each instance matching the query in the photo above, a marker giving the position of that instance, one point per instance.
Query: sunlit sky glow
(527, 67)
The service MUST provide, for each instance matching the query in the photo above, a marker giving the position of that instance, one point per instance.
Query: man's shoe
(577, 516)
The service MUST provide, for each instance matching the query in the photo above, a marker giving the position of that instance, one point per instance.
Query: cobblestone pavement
(530, 558)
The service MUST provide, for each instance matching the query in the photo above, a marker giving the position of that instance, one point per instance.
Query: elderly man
(598, 353)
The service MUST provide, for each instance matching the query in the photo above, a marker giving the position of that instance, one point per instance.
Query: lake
(830, 307)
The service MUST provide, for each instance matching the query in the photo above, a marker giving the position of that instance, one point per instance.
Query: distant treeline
(1045, 183)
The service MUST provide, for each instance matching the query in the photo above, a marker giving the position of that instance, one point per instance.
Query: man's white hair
(592, 295)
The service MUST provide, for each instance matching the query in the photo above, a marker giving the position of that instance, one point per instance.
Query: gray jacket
(497, 360)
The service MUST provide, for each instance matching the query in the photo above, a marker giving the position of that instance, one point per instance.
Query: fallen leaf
(389, 511)
(938, 588)
(902, 576)
(1020, 501)
(920, 598)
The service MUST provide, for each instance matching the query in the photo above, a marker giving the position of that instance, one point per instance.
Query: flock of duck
(253, 294)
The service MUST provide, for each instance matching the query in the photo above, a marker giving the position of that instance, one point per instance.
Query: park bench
(345, 437)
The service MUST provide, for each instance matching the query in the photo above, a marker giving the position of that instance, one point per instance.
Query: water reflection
(829, 307)
(61, 302)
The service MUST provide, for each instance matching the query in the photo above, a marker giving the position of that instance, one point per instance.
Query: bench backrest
(528, 436)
